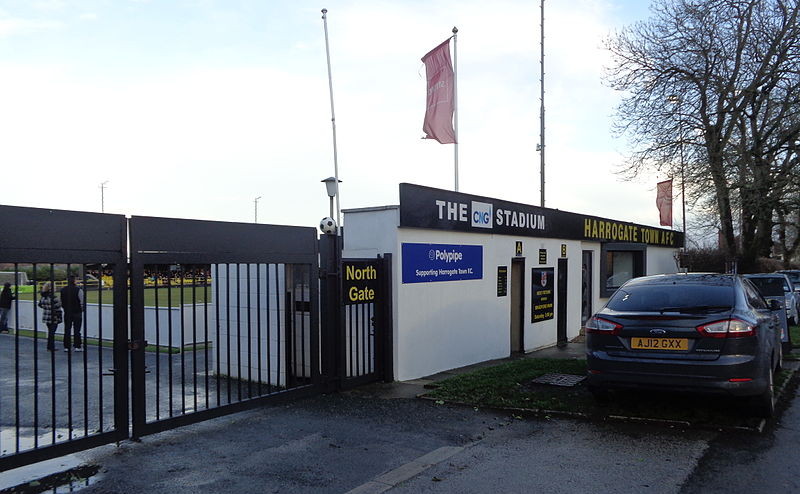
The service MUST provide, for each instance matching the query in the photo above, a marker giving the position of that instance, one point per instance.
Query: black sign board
(518, 249)
(542, 290)
(502, 281)
(360, 282)
(542, 256)
(563, 250)
(426, 207)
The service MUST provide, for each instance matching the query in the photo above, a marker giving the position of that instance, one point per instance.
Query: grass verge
(506, 386)
(509, 386)
(27, 333)
(163, 297)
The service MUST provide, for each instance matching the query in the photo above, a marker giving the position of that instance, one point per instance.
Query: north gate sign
(360, 282)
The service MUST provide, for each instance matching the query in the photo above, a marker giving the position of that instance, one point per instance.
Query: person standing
(6, 297)
(51, 314)
(72, 301)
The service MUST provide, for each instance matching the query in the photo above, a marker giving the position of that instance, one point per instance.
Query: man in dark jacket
(72, 302)
(6, 297)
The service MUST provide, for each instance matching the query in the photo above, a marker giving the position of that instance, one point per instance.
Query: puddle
(72, 480)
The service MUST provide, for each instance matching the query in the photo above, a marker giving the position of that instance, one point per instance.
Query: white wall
(444, 325)
(457, 323)
(371, 231)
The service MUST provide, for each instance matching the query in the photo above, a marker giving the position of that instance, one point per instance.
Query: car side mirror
(775, 305)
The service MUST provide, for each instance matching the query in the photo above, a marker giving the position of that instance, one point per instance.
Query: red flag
(664, 202)
(440, 102)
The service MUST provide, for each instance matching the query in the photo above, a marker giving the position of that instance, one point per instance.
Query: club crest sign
(542, 301)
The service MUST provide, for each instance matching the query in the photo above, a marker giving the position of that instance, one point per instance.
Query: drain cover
(559, 379)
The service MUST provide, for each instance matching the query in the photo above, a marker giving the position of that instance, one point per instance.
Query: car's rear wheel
(763, 405)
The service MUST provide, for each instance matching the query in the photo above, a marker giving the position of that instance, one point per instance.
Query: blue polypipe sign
(423, 263)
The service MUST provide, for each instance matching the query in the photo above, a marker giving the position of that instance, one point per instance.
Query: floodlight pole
(541, 110)
(333, 119)
(103, 196)
(255, 202)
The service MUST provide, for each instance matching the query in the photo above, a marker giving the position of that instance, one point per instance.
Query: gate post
(136, 343)
(121, 369)
(330, 310)
(386, 319)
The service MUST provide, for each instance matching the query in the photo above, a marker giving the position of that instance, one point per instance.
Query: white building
(476, 278)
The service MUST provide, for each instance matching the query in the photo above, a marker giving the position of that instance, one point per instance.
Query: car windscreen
(770, 287)
(672, 297)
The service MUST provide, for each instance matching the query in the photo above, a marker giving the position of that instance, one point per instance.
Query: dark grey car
(707, 333)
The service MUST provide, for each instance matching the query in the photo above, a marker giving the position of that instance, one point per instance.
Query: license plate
(681, 344)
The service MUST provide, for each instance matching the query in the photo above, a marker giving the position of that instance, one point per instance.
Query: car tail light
(729, 328)
(599, 325)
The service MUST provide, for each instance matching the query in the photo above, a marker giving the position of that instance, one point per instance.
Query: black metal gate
(229, 312)
(56, 400)
(366, 321)
(223, 317)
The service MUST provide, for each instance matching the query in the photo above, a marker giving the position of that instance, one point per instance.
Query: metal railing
(213, 318)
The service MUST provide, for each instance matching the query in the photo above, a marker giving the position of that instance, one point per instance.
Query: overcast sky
(193, 108)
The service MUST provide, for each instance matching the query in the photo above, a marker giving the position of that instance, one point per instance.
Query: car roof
(717, 279)
(765, 275)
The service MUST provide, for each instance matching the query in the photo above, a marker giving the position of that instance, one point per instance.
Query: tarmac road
(48, 394)
(753, 463)
(337, 443)
(379, 438)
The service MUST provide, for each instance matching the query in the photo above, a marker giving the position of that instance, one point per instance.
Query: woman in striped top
(51, 313)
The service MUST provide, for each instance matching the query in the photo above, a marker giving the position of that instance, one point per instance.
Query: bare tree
(717, 81)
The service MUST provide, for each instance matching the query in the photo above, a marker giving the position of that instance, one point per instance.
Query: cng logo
(481, 215)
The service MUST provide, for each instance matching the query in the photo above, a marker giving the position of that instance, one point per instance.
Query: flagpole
(455, 101)
(333, 122)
